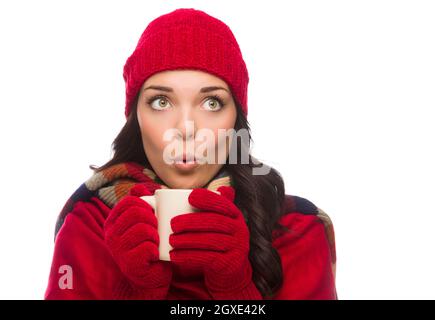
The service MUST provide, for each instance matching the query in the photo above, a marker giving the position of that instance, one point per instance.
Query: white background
(341, 100)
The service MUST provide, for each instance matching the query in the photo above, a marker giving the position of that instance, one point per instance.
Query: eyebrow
(168, 89)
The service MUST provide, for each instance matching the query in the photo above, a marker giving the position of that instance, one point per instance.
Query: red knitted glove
(132, 238)
(216, 240)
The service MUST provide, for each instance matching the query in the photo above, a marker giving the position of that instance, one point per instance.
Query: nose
(185, 123)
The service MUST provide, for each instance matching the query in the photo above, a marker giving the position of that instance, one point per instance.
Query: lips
(186, 159)
(185, 163)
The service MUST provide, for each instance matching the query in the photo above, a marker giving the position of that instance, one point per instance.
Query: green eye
(214, 103)
(158, 103)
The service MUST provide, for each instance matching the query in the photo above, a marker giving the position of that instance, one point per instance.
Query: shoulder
(93, 210)
(305, 224)
(80, 245)
(300, 213)
(85, 215)
(307, 251)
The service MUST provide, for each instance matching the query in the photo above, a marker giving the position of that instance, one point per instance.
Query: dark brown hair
(259, 197)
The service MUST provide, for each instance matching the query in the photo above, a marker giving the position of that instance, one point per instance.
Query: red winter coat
(307, 257)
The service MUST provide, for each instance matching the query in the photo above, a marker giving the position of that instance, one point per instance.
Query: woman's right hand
(131, 235)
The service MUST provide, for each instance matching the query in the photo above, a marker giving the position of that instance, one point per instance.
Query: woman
(249, 240)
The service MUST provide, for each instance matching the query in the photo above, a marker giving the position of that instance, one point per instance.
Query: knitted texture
(115, 182)
(103, 220)
(131, 235)
(294, 203)
(187, 39)
(216, 241)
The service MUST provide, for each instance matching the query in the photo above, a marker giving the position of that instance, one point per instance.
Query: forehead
(182, 78)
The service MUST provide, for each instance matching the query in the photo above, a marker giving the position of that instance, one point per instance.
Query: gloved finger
(204, 241)
(207, 200)
(138, 234)
(132, 216)
(124, 204)
(135, 261)
(139, 190)
(193, 258)
(228, 192)
(202, 222)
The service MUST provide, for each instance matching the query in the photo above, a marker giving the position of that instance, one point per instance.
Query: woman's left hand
(216, 240)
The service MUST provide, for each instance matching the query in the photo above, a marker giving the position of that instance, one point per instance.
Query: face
(182, 115)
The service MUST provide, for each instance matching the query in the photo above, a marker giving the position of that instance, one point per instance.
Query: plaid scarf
(113, 183)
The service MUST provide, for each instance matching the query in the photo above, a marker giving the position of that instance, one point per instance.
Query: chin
(197, 178)
(185, 182)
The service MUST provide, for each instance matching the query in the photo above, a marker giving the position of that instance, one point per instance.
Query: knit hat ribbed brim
(187, 39)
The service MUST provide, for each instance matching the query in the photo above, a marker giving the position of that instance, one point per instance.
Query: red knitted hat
(187, 39)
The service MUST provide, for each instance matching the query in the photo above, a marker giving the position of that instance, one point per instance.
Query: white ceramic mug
(168, 203)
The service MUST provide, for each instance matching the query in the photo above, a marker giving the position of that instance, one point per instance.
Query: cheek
(220, 127)
(152, 132)
(224, 120)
